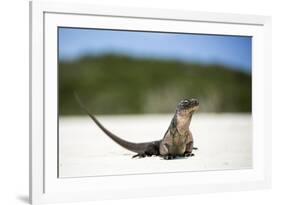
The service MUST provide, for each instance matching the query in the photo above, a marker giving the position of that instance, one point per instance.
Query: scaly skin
(177, 141)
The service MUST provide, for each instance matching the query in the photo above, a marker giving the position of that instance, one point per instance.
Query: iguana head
(184, 112)
(186, 107)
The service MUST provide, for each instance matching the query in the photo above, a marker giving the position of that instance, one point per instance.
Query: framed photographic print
(129, 102)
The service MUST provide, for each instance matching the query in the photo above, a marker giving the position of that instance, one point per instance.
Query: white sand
(224, 142)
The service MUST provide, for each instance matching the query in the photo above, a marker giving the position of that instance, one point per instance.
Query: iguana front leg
(189, 146)
(188, 151)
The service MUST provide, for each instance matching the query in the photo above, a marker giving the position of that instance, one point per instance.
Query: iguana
(177, 141)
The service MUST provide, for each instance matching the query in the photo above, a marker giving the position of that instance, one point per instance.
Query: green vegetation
(112, 84)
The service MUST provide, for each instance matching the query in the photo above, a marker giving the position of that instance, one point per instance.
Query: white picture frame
(45, 186)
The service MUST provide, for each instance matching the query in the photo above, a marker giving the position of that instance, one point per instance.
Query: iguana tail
(134, 147)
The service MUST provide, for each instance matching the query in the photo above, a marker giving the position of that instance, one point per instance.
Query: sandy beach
(224, 141)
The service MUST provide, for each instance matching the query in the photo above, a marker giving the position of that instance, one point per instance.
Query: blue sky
(231, 51)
